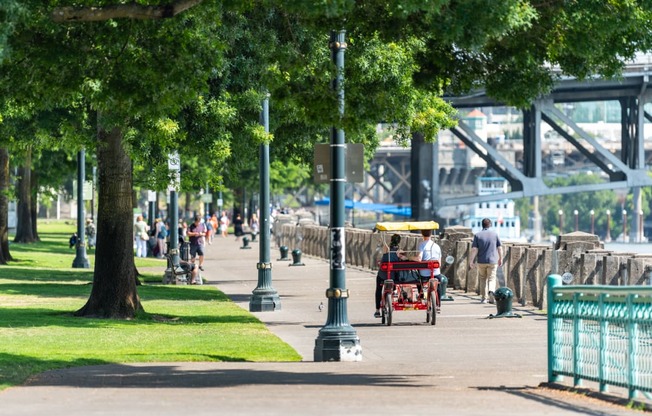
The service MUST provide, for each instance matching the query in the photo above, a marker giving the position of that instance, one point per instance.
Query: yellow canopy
(407, 226)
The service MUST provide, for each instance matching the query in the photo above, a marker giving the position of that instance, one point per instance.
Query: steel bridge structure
(415, 175)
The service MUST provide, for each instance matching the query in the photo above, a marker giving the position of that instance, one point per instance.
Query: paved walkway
(465, 365)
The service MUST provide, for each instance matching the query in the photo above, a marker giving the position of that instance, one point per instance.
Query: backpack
(163, 232)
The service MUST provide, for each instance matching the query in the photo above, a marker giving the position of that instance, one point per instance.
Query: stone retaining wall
(525, 267)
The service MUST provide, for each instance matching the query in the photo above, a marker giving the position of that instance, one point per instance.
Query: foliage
(584, 202)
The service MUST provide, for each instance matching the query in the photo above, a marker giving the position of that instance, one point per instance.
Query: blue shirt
(487, 243)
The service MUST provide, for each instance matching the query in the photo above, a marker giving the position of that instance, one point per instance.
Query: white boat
(501, 212)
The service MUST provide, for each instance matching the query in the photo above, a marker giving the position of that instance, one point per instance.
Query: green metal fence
(600, 333)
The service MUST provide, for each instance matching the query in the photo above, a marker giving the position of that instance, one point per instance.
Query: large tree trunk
(5, 256)
(34, 204)
(114, 292)
(24, 229)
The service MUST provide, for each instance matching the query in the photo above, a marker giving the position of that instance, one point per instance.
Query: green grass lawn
(39, 291)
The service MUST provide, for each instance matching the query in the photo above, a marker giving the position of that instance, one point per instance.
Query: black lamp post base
(337, 347)
(81, 262)
(264, 301)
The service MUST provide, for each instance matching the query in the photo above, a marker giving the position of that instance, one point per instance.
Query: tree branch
(121, 11)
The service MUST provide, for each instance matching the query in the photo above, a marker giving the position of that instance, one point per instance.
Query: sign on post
(174, 165)
(354, 163)
(87, 190)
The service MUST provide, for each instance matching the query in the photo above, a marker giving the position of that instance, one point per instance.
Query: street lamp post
(607, 237)
(264, 297)
(561, 221)
(577, 220)
(625, 237)
(641, 233)
(81, 260)
(337, 339)
(174, 165)
(592, 221)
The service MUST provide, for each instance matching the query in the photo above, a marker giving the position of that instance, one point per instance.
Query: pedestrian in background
(216, 226)
(196, 235)
(161, 236)
(224, 224)
(254, 225)
(141, 236)
(91, 233)
(487, 252)
(209, 230)
(237, 227)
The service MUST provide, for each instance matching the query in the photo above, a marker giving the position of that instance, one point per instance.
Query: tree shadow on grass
(48, 242)
(172, 376)
(44, 275)
(44, 317)
(16, 368)
(81, 288)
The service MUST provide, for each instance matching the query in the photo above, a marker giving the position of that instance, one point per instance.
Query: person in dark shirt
(393, 254)
(237, 227)
(487, 253)
(196, 235)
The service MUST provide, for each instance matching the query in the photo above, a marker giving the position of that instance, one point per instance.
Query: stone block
(639, 270)
(533, 278)
(591, 269)
(462, 251)
(611, 270)
(514, 277)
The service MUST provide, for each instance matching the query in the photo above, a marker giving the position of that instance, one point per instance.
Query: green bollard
(443, 283)
(253, 237)
(245, 243)
(284, 253)
(503, 297)
(296, 258)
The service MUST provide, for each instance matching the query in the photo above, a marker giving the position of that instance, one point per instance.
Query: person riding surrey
(393, 254)
(428, 250)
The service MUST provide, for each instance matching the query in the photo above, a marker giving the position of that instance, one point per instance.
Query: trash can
(443, 284)
(185, 251)
(503, 297)
(245, 243)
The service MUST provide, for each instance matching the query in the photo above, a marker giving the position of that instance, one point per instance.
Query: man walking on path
(487, 252)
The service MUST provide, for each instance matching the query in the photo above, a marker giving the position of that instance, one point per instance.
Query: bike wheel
(428, 309)
(388, 308)
(432, 309)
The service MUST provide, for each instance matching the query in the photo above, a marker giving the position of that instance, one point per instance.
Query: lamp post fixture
(561, 221)
(641, 233)
(264, 297)
(81, 260)
(337, 339)
(625, 238)
(607, 238)
(174, 166)
(577, 220)
(592, 221)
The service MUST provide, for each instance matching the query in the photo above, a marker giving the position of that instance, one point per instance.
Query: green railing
(600, 333)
